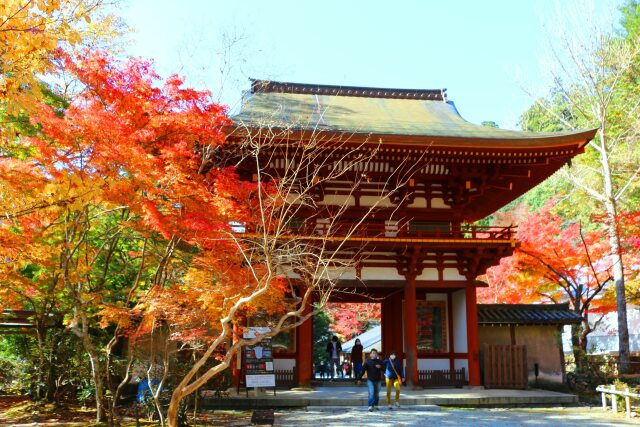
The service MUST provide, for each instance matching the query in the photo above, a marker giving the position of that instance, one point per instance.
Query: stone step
(338, 383)
(357, 397)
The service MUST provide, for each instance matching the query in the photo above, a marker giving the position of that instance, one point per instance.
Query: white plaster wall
(283, 364)
(344, 273)
(418, 202)
(436, 297)
(428, 274)
(288, 273)
(452, 274)
(337, 199)
(429, 364)
(372, 200)
(437, 202)
(380, 273)
(458, 300)
(462, 363)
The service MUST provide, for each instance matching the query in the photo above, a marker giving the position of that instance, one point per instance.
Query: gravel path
(416, 416)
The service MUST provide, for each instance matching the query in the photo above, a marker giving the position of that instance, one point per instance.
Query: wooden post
(627, 403)
(614, 401)
(472, 336)
(236, 364)
(411, 332)
(386, 325)
(304, 349)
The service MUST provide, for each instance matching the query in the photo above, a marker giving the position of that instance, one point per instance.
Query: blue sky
(483, 52)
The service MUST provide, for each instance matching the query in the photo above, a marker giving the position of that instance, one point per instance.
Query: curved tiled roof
(377, 111)
(526, 314)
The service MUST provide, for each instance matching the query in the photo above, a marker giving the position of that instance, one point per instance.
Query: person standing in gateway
(372, 367)
(334, 348)
(356, 358)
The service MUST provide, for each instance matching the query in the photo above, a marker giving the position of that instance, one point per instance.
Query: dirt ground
(19, 411)
(16, 410)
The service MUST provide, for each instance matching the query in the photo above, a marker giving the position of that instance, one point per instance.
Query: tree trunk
(611, 207)
(41, 375)
(83, 333)
(97, 378)
(51, 367)
(114, 417)
(618, 277)
(174, 405)
(576, 343)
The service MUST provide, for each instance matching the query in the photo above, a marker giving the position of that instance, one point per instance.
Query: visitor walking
(372, 368)
(334, 348)
(321, 369)
(346, 368)
(356, 358)
(394, 376)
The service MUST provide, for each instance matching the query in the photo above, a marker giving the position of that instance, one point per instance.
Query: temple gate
(420, 254)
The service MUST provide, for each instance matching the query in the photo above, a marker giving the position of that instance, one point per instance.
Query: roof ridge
(536, 306)
(268, 86)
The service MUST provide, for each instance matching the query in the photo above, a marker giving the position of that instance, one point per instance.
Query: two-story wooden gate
(505, 366)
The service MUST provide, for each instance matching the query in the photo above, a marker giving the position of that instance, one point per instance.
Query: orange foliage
(349, 319)
(130, 144)
(553, 264)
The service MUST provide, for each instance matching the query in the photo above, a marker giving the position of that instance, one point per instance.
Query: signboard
(258, 360)
(432, 326)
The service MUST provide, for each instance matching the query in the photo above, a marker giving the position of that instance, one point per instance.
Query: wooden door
(505, 366)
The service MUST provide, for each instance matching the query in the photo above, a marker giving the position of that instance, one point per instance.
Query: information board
(258, 360)
(432, 326)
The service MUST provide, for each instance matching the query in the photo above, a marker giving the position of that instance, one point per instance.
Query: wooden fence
(442, 378)
(505, 366)
(614, 403)
(286, 377)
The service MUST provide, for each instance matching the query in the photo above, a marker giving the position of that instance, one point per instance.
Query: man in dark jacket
(372, 367)
(334, 348)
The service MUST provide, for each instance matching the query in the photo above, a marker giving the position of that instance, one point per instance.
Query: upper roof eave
(408, 117)
(577, 138)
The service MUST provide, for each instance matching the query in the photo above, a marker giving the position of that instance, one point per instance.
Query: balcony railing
(399, 230)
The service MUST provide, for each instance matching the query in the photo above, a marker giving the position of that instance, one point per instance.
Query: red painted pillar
(304, 349)
(410, 332)
(395, 341)
(473, 346)
(386, 325)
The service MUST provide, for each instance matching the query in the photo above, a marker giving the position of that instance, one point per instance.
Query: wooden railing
(442, 378)
(286, 377)
(614, 403)
(402, 230)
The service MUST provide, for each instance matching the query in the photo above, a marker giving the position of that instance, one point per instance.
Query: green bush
(15, 370)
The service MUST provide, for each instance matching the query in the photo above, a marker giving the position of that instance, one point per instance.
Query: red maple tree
(556, 261)
(350, 319)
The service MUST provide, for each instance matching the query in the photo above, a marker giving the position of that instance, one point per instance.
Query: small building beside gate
(536, 327)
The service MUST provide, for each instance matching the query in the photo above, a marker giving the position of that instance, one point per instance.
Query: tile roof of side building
(526, 314)
(420, 113)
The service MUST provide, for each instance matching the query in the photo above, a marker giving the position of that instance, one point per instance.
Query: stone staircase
(337, 382)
